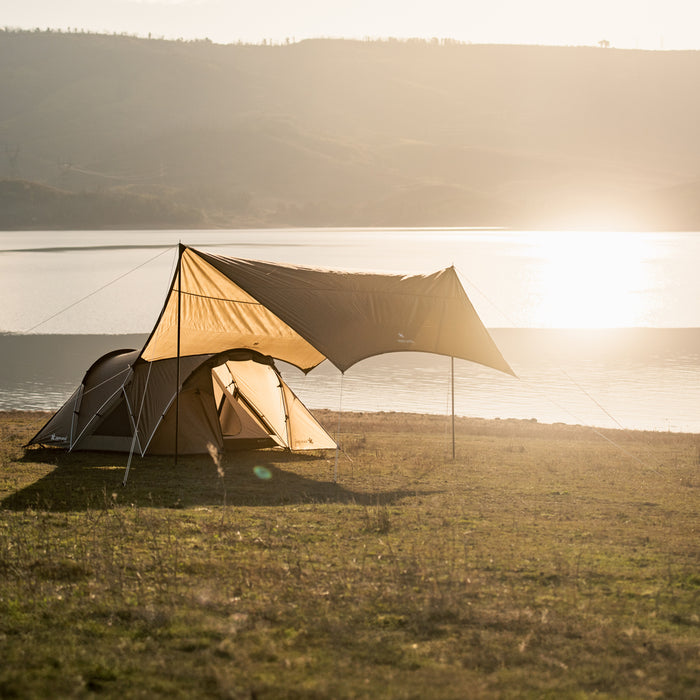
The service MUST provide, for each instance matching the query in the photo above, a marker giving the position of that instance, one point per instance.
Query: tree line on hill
(114, 131)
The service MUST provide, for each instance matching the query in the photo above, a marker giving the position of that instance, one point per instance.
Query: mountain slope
(347, 132)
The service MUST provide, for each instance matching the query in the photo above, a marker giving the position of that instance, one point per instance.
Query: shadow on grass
(257, 478)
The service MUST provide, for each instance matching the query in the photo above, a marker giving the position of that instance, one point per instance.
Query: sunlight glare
(596, 281)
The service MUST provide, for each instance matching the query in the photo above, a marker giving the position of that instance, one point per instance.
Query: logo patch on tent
(58, 438)
(403, 340)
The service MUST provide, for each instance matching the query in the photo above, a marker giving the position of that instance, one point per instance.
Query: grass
(543, 562)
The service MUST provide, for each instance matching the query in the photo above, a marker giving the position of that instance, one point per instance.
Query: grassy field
(543, 562)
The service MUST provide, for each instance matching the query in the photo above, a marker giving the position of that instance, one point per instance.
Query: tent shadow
(81, 481)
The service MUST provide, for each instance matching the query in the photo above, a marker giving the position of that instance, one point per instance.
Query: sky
(628, 24)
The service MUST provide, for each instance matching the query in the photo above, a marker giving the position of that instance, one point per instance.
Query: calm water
(525, 285)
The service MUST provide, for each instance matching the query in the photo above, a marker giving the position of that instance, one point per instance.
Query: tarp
(303, 315)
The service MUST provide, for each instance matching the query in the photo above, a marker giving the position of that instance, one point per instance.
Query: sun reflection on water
(600, 280)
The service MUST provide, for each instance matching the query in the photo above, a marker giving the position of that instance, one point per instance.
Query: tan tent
(233, 400)
(304, 315)
(219, 306)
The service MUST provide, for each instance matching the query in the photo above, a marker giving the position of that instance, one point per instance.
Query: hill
(333, 132)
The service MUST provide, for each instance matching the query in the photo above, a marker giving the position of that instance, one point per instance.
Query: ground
(543, 561)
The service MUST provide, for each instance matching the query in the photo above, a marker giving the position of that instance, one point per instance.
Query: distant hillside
(30, 205)
(332, 132)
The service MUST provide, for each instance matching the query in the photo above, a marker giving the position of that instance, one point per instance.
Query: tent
(304, 315)
(163, 397)
(232, 400)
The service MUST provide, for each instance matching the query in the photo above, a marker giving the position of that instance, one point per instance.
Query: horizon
(654, 25)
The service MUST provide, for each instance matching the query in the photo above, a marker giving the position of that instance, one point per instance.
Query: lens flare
(262, 473)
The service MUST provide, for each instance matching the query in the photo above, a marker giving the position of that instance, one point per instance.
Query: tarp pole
(452, 379)
(337, 430)
(177, 372)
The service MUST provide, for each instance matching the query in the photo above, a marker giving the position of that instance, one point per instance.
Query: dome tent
(232, 400)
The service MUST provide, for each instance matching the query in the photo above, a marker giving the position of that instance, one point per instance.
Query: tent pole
(136, 426)
(177, 372)
(337, 430)
(76, 410)
(452, 378)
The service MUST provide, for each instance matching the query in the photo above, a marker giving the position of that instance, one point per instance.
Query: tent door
(242, 426)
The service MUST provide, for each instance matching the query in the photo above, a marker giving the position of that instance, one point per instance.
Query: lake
(602, 328)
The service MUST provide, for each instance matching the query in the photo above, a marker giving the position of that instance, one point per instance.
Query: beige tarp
(304, 315)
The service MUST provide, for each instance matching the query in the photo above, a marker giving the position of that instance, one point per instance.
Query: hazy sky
(645, 24)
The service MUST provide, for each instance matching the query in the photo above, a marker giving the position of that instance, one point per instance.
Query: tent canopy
(303, 315)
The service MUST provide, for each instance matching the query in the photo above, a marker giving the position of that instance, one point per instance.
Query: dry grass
(543, 562)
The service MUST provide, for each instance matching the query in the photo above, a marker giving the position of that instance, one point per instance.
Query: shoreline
(352, 421)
